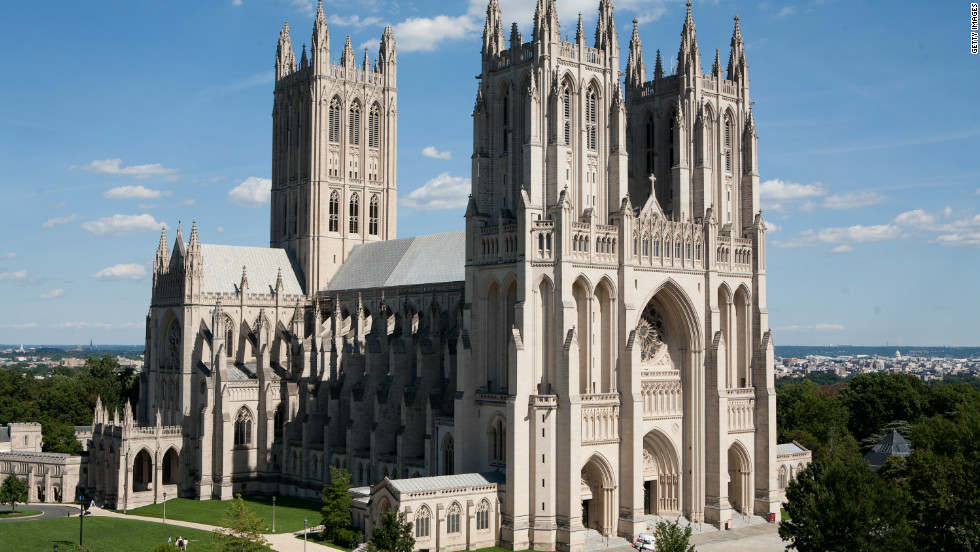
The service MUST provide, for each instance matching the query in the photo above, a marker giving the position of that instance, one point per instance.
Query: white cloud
(61, 204)
(114, 166)
(22, 326)
(853, 200)
(130, 271)
(10, 255)
(253, 192)
(917, 218)
(828, 327)
(133, 192)
(961, 232)
(426, 33)
(355, 21)
(777, 195)
(787, 11)
(10, 276)
(431, 151)
(772, 226)
(221, 229)
(236, 2)
(842, 249)
(52, 222)
(122, 225)
(843, 235)
(442, 192)
(53, 293)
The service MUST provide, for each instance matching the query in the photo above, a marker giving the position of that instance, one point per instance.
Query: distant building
(791, 459)
(892, 445)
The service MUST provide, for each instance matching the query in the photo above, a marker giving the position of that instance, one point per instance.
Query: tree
(12, 491)
(336, 516)
(672, 537)
(876, 399)
(393, 534)
(840, 505)
(242, 529)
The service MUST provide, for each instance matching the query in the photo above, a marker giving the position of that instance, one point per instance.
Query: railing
(495, 398)
(600, 398)
(669, 244)
(661, 399)
(543, 239)
(741, 409)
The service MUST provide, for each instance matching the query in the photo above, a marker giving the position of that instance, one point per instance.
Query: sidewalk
(282, 542)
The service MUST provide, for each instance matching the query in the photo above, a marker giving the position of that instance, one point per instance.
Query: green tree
(841, 505)
(672, 537)
(810, 414)
(393, 534)
(242, 529)
(876, 399)
(336, 516)
(59, 437)
(12, 491)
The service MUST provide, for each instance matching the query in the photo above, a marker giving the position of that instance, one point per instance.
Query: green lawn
(783, 515)
(7, 514)
(108, 534)
(290, 512)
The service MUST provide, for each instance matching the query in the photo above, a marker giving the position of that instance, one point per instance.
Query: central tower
(333, 152)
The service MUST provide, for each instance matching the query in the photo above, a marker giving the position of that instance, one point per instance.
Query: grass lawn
(7, 514)
(108, 534)
(783, 515)
(290, 512)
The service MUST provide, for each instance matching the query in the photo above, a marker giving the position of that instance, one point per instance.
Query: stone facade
(50, 477)
(598, 336)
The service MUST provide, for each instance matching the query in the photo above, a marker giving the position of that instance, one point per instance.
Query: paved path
(281, 542)
(48, 511)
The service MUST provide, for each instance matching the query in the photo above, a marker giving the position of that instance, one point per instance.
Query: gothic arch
(497, 440)
(171, 466)
(740, 478)
(677, 302)
(661, 474)
(488, 283)
(142, 470)
(599, 505)
(448, 456)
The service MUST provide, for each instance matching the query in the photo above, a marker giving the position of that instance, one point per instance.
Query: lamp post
(273, 514)
(84, 500)
(165, 507)
(304, 535)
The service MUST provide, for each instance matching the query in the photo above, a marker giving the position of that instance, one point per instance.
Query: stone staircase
(596, 541)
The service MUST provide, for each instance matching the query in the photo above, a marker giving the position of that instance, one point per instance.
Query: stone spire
(546, 27)
(285, 59)
(580, 31)
(605, 29)
(367, 61)
(636, 73)
(320, 43)
(179, 245)
(716, 66)
(304, 61)
(493, 31)
(194, 243)
(737, 67)
(163, 253)
(688, 57)
(347, 58)
(658, 69)
(388, 56)
(279, 286)
(243, 285)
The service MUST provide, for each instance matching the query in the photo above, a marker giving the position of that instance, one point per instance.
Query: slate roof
(436, 258)
(892, 445)
(440, 482)
(223, 269)
(789, 449)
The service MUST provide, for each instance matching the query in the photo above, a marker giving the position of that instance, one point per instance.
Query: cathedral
(592, 350)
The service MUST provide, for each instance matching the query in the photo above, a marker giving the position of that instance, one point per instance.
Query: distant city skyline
(124, 117)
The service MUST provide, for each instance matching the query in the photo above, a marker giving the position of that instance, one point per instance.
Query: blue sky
(119, 116)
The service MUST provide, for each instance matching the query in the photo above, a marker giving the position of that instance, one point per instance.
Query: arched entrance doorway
(142, 471)
(739, 479)
(661, 475)
(598, 496)
(171, 467)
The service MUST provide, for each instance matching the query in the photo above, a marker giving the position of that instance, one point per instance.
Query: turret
(658, 68)
(388, 56)
(546, 27)
(688, 57)
(163, 255)
(493, 31)
(320, 43)
(193, 264)
(635, 71)
(347, 58)
(285, 60)
(716, 66)
(605, 29)
(304, 61)
(737, 67)
(580, 31)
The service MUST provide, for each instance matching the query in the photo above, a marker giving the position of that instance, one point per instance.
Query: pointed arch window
(423, 521)
(354, 128)
(483, 515)
(334, 220)
(334, 121)
(353, 227)
(374, 127)
(649, 143)
(448, 455)
(592, 118)
(279, 423)
(566, 98)
(243, 427)
(452, 518)
(670, 140)
(373, 208)
(498, 442)
(728, 144)
(505, 105)
(229, 339)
